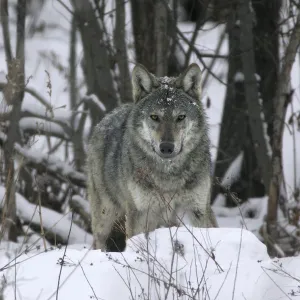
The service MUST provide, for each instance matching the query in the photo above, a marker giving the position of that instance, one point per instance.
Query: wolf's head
(168, 114)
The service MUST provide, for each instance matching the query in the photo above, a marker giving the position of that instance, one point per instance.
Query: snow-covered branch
(53, 222)
(47, 163)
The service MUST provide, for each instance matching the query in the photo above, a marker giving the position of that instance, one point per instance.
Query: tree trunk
(281, 101)
(13, 94)
(154, 27)
(162, 39)
(143, 16)
(265, 39)
(121, 53)
(97, 64)
(234, 129)
(251, 91)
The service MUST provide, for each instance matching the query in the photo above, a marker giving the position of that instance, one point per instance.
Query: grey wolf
(150, 160)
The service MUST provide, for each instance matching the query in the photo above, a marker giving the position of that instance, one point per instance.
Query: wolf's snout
(166, 149)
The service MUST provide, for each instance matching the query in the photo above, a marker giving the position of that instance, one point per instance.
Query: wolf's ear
(142, 82)
(190, 81)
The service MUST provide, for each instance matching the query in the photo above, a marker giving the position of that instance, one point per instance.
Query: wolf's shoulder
(114, 120)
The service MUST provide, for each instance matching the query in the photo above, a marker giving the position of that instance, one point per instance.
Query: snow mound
(175, 263)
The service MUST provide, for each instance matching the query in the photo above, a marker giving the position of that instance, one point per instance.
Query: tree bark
(234, 130)
(235, 118)
(121, 53)
(251, 90)
(5, 29)
(281, 102)
(96, 58)
(162, 39)
(266, 45)
(143, 16)
(14, 93)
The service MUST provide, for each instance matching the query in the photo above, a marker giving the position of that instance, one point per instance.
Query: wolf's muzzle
(166, 149)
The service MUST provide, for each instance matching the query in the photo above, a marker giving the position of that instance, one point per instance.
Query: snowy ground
(184, 263)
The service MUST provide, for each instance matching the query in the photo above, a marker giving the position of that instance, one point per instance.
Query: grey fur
(127, 169)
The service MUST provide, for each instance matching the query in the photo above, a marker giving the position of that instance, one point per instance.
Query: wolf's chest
(150, 198)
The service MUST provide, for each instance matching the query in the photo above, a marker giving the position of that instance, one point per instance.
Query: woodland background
(65, 64)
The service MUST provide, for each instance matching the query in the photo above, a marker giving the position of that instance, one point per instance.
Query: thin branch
(72, 65)
(63, 258)
(33, 93)
(200, 22)
(5, 30)
(41, 220)
(199, 56)
(88, 281)
(214, 57)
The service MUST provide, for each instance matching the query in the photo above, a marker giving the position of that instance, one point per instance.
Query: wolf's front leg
(104, 214)
(194, 208)
(138, 222)
(202, 217)
(191, 215)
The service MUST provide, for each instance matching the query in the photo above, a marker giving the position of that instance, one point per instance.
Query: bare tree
(253, 112)
(253, 38)
(13, 93)
(281, 101)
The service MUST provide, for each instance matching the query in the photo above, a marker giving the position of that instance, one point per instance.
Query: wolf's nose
(166, 149)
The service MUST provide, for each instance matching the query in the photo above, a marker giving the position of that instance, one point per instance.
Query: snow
(36, 125)
(82, 203)
(175, 263)
(55, 222)
(2, 77)
(250, 214)
(53, 164)
(96, 101)
(233, 172)
(239, 77)
(257, 77)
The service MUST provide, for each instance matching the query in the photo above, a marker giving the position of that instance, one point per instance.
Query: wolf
(150, 160)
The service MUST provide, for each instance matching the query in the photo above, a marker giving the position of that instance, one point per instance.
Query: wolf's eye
(154, 117)
(180, 118)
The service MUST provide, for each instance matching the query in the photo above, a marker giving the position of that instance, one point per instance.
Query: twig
(223, 282)
(34, 94)
(232, 197)
(198, 54)
(15, 289)
(214, 57)
(88, 280)
(62, 261)
(67, 278)
(264, 269)
(237, 264)
(41, 220)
